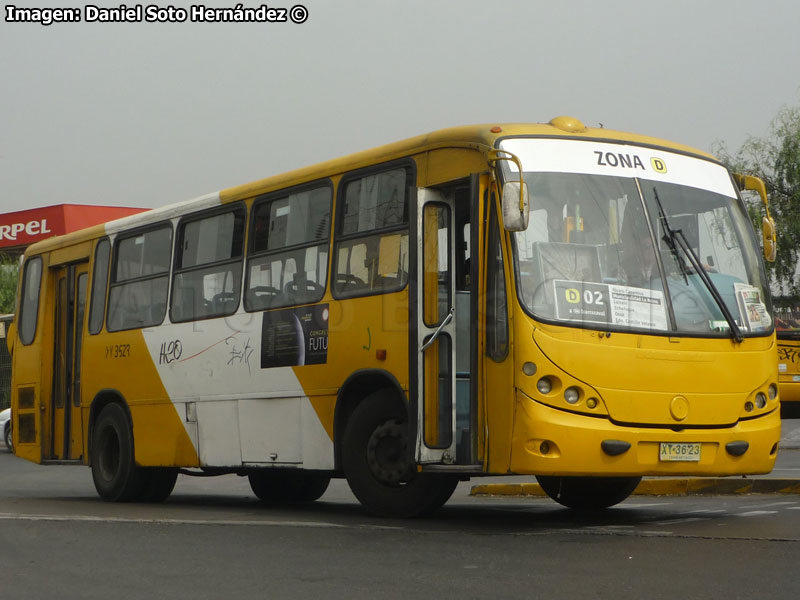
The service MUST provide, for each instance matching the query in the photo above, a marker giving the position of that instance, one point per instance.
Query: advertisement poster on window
(295, 337)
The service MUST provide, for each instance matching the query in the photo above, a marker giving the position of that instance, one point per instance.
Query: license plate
(685, 452)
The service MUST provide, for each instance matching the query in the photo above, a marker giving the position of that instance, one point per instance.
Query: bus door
(64, 437)
(436, 329)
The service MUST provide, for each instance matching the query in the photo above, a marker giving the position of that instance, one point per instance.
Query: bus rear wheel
(587, 493)
(377, 463)
(116, 477)
(114, 471)
(157, 483)
(287, 487)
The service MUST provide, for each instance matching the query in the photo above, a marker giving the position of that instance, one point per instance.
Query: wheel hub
(386, 453)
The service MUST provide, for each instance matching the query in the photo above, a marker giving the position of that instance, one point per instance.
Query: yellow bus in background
(787, 328)
(583, 305)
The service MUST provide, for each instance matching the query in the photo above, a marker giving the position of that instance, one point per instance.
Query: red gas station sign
(23, 228)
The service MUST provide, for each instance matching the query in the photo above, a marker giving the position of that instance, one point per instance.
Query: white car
(5, 425)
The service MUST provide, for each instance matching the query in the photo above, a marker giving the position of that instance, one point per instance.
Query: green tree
(9, 275)
(775, 158)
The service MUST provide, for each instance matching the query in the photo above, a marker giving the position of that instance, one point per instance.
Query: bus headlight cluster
(572, 395)
(762, 398)
(552, 386)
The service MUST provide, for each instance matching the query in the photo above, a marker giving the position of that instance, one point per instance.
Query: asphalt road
(213, 539)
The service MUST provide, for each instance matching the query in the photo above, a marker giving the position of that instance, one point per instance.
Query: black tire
(313, 488)
(790, 410)
(377, 466)
(7, 435)
(283, 487)
(157, 483)
(116, 477)
(588, 493)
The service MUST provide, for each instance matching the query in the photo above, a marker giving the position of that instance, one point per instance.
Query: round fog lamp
(761, 400)
(529, 368)
(591, 402)
(772, 391)
(748, 406)
(544, 386)
(571, 395)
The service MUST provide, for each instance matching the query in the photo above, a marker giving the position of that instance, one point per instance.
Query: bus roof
(482, 136)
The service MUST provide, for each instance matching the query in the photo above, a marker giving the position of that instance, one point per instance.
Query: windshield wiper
(674, 238)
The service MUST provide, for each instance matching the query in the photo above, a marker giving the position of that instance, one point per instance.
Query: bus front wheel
(377, 463)
(586, 493)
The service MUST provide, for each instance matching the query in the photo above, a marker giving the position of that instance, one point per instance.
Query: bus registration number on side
(687, 452)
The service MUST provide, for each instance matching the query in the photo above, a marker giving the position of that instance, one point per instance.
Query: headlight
(761, 400)
(572, 395)
(544, 385)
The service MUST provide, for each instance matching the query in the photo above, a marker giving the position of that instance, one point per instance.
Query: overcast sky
(145, 114)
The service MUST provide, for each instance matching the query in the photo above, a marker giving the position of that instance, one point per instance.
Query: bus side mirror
(768, 233)
(516, 206)
(770, 238)
(515, 200)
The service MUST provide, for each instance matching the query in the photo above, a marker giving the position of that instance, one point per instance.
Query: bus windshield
(627, 238)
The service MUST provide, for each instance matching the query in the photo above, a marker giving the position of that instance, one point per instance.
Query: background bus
(583, 305)
(787, 328)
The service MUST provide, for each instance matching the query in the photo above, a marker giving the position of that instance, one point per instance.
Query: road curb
(695, 486)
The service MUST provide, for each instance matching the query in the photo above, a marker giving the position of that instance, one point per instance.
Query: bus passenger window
(288, 263)
(102, 256)
(372, 244)
(140, 279)
(29, 303)
(208, 266)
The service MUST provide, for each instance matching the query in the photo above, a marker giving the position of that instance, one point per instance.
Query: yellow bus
(580, 304)
(787, 328)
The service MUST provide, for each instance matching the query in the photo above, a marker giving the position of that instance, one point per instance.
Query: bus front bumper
(548, 441)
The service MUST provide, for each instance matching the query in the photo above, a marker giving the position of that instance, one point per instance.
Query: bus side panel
(365, 333)
(121, 362)
(789, 370)
(241, 388)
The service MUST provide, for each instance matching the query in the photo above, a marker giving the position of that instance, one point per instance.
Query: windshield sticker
(751, 307)
(618, 160)
(617, 305)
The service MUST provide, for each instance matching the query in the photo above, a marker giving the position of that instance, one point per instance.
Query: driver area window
(288, 261)
(372, 244)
